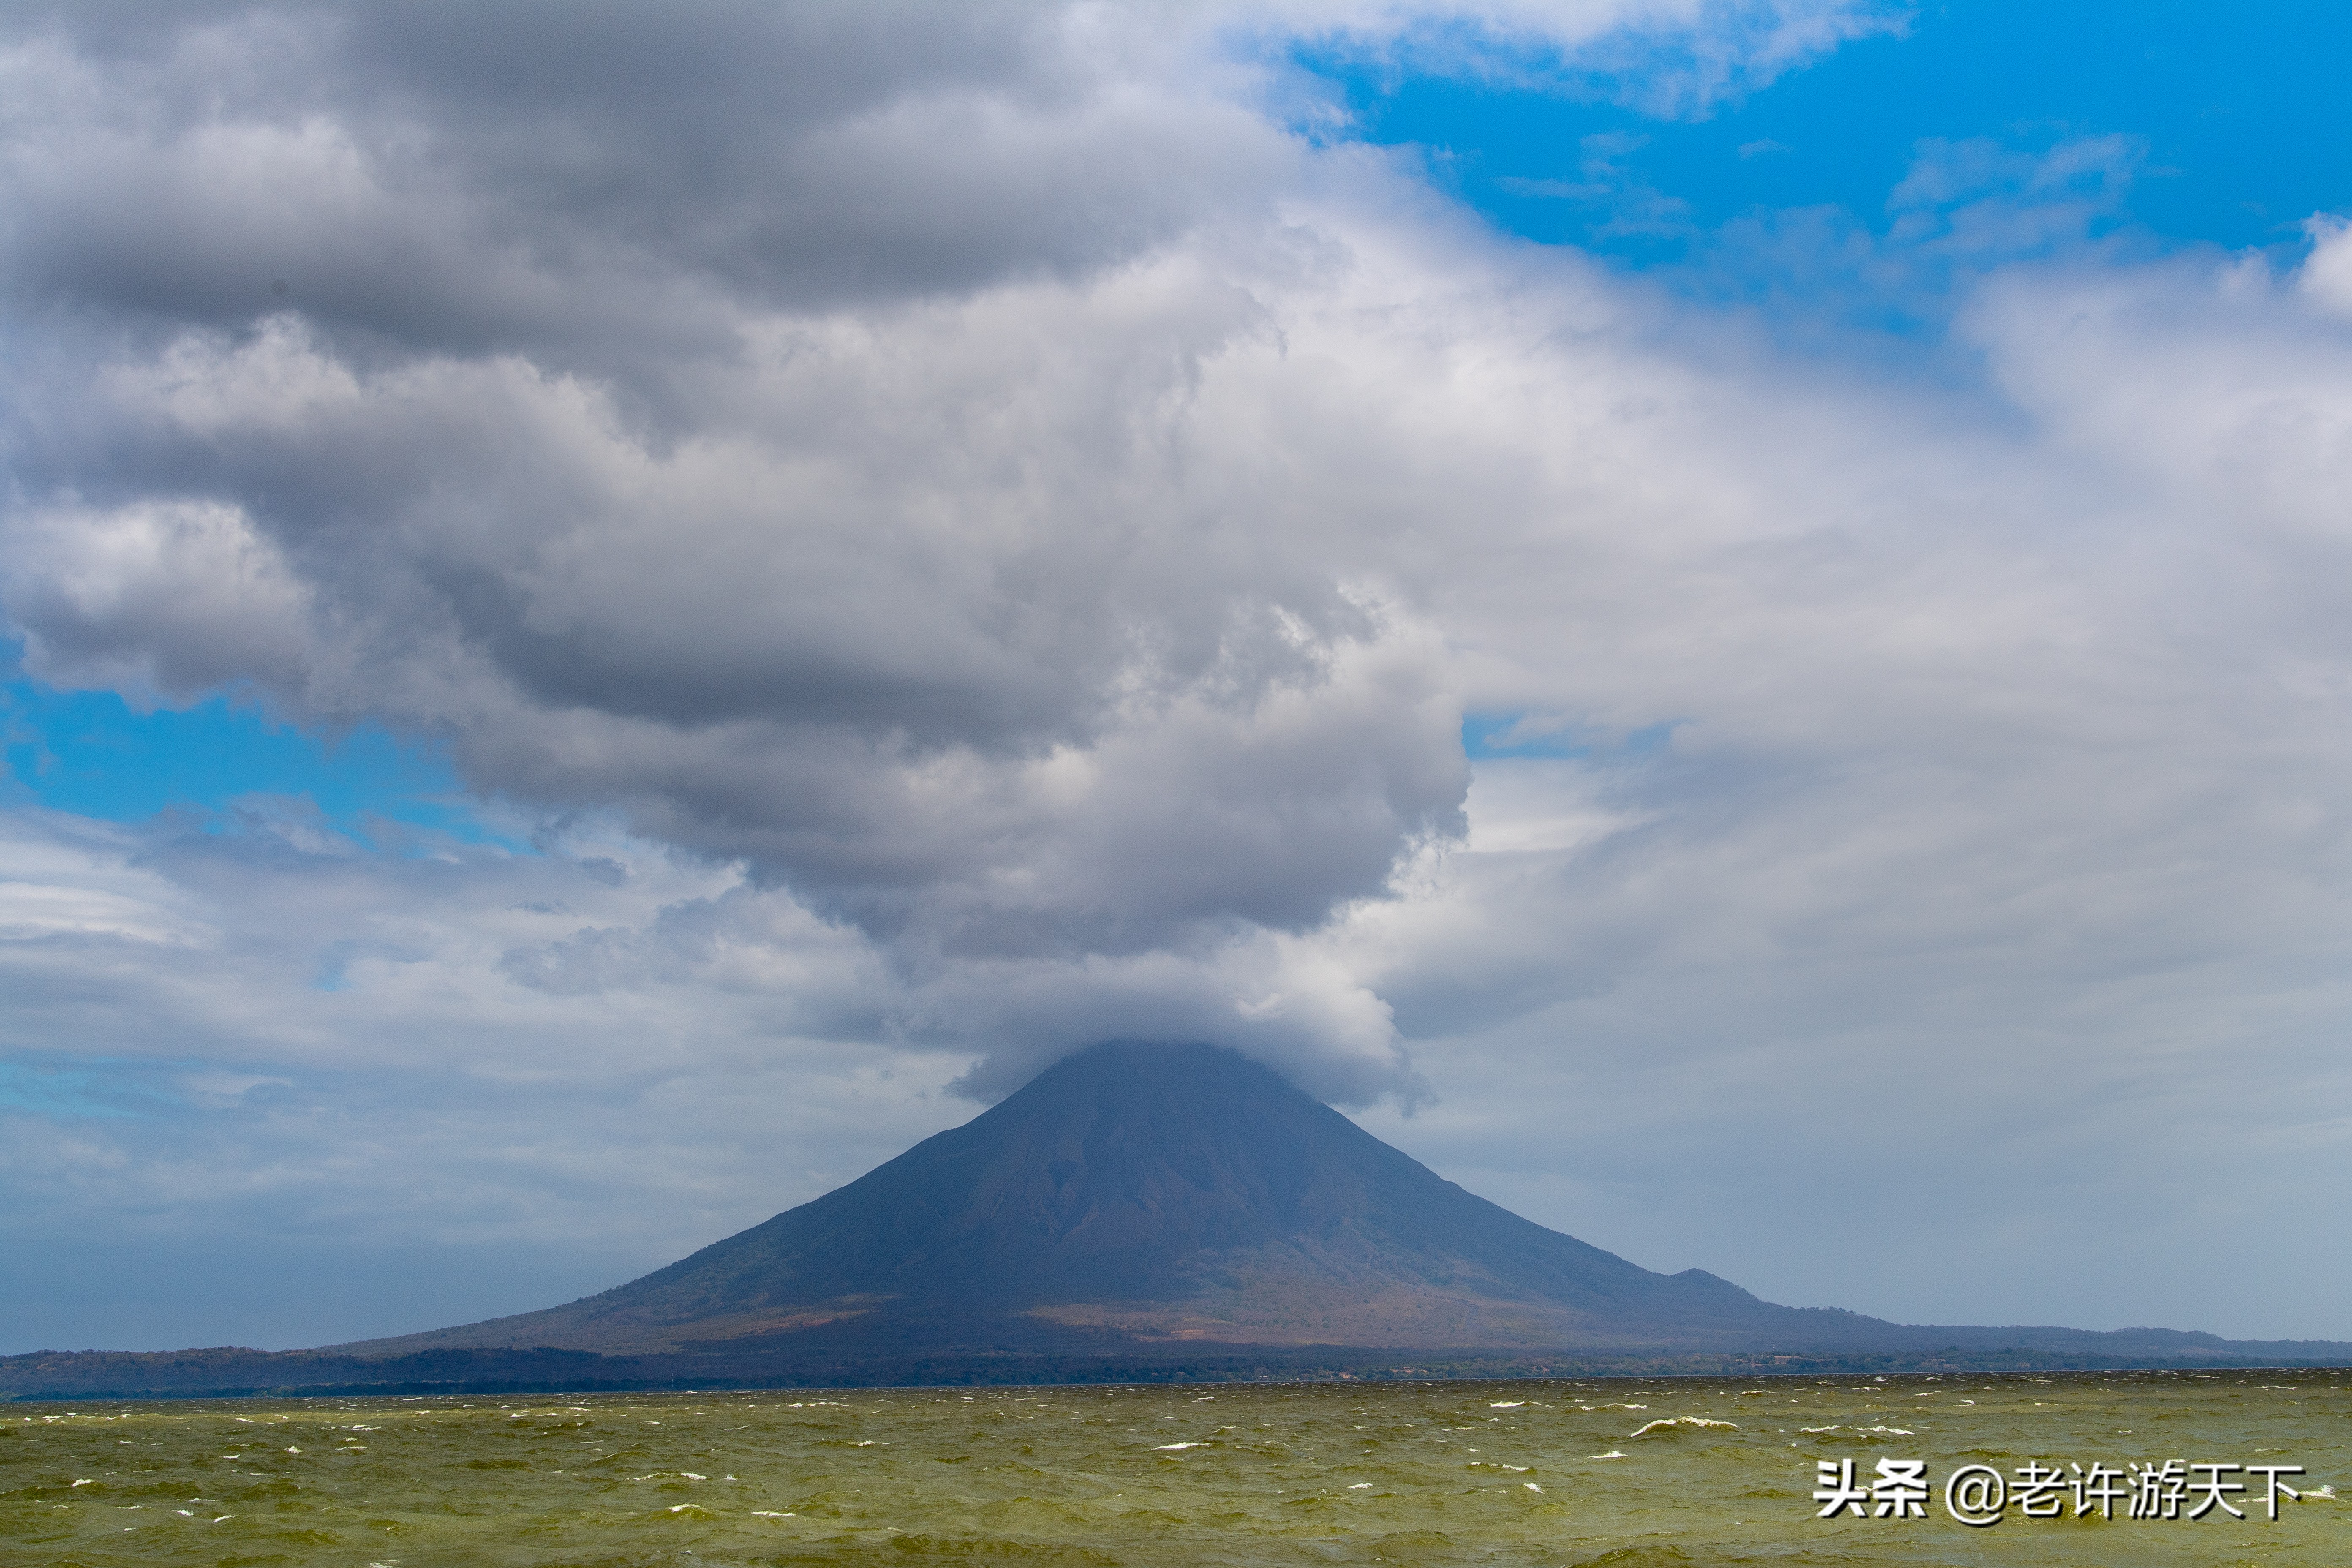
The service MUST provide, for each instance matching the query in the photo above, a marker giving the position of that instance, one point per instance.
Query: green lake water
(1216, 1474)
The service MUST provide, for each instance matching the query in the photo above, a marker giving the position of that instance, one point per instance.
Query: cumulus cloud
(996, 532)
(2327, 276)
(627, 441)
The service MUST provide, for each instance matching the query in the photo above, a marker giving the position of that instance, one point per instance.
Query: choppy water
(1330, 1473)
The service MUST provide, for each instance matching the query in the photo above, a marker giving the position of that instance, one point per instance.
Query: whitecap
(1360, 1486)
(1612, 1454)
(1506, 1404)
(1817, 1428)
(1531, 1486)
(1162, 1448)
(1674, 1421)
(1886, 1431)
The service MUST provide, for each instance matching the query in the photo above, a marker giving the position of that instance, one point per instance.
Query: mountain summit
(1152, 1193)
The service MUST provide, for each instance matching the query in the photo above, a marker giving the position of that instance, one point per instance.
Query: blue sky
(94, 754)
(775, 569)
(2231, 111)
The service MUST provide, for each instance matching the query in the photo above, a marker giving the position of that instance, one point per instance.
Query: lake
(1621, 1472)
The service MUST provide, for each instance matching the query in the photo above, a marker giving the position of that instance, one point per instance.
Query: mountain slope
(1156, 1193)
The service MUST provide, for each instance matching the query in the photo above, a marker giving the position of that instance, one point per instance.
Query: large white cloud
(1007, 533)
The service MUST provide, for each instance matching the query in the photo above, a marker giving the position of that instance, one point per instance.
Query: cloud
(608, 182)
(247, 1032)
(639, 456)
(2326, 277)
(1671, 59)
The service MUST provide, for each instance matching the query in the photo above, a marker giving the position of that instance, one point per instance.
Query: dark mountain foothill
(1139, 1212)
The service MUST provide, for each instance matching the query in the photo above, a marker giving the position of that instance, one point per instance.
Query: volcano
(1153, 1193)
(1136, 1212)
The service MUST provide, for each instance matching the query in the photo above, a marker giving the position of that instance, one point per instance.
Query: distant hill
(1139, 1206)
